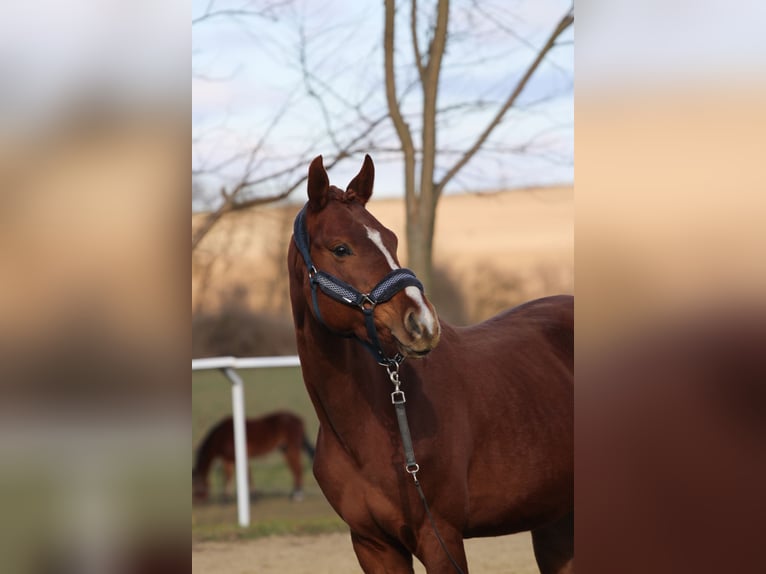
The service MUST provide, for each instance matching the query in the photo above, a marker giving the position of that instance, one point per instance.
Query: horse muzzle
(422, 331)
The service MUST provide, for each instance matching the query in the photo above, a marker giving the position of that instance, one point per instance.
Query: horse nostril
(413, 324)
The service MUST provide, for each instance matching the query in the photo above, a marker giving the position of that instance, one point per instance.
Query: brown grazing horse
(490, 407)
(282, 430)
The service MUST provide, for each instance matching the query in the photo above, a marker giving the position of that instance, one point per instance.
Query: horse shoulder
(364, 504)
(339, 480)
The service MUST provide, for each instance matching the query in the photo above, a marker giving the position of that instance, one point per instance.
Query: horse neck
(345, 384)
(341, 361)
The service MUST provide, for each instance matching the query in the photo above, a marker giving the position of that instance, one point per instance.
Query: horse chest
(363, 492)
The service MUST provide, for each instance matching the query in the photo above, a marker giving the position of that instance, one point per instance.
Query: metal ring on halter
(412, 468)
(394, 376)
(397, 397)
(392, 367)
(367, 304)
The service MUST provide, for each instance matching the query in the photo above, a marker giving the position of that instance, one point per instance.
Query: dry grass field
(518, 242)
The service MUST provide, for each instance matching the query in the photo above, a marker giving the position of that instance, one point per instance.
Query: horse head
(354, 257)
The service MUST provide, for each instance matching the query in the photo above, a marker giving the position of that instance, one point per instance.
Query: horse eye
(341, 251)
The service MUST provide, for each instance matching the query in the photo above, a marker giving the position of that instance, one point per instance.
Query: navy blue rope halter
(342, 292)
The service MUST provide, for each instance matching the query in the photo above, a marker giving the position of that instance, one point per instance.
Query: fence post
(227, 366)
(240, 445)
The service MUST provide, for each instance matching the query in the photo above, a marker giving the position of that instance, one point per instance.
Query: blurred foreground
(93, 347)
(94, 182)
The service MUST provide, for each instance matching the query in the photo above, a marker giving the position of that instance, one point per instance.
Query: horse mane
(204, 454)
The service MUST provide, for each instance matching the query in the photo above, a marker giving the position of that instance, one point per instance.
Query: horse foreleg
(228, 472)
(431, 552)
(377, 556)
(293, 458)
(554, 546)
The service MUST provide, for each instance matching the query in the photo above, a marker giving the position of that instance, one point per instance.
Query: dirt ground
(332, 554)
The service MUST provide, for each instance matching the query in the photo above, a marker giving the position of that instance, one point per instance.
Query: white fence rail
(228, 366)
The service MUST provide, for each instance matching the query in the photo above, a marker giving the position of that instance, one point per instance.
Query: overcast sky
(247, 68)
(54, 54)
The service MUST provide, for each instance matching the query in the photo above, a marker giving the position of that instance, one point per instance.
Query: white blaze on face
(375, 237)
(425, 315)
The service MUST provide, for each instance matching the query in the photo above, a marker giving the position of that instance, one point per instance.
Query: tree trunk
(420, 237)
(420, 228)
(421, 203)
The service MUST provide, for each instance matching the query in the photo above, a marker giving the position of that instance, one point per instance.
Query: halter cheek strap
(342, 292)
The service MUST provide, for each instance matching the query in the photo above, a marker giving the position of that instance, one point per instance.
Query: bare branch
(211, 13)
(307, 77)
(430, 92)
(224, 13)
(216, 79)
(565, 22)
(402, 129)
(230, 199)
(401, 126)
(342, 153)
(415, 42)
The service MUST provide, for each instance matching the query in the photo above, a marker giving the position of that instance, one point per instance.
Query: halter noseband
(342, 292)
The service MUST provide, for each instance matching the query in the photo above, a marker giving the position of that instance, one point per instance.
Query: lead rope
(411, 466)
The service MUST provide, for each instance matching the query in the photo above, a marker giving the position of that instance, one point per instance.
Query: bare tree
(422, 193)
(262, 180)
(354, 124)
(235, 200)
(253, 177)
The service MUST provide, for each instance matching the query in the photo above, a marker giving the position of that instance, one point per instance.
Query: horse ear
(318, 185)
(361, 186)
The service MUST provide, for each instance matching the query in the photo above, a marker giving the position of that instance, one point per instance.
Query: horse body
(490, 410)
(517, 409)
(280, 429)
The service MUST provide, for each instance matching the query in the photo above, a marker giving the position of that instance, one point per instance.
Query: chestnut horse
(490, 407)
(281, 429)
